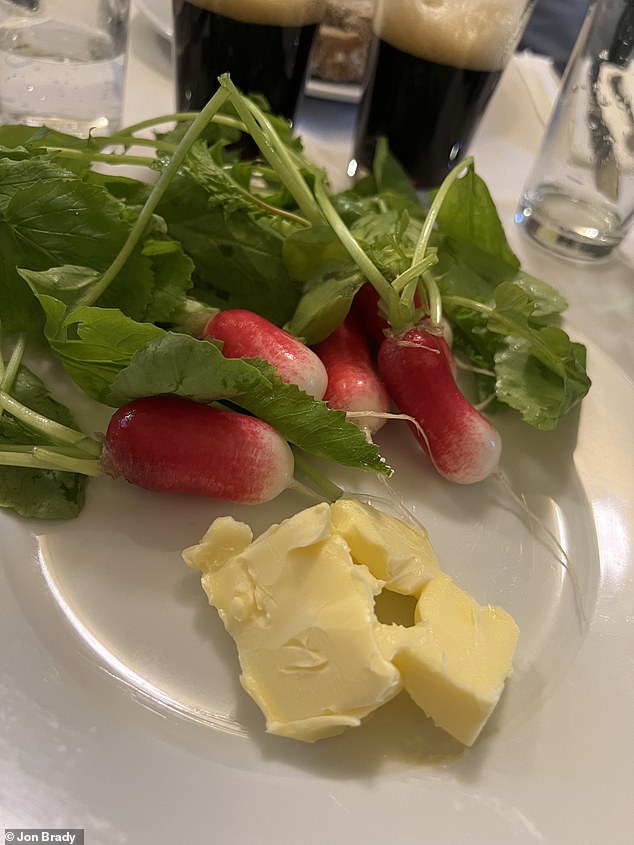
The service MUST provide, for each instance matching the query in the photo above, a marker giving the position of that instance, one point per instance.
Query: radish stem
(273, 150)
(48, 458)
(193, 132)
(327, 487)
(8, 374)
(49, 428)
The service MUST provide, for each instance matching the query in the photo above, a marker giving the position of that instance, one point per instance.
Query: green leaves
(101, 266)
(237, 257)
(541, 392)
(94, 344)
(178, 364)
(52, 223)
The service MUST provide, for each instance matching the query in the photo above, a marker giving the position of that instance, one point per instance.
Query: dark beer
(427, 111)
(262, 58)
(432, 80)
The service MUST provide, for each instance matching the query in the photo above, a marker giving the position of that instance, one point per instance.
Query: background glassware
(579, 198)
(62, 63)
(265, 46)
(436, 65)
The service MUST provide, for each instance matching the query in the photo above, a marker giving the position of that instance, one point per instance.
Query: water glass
(63, 62)
(579, 198)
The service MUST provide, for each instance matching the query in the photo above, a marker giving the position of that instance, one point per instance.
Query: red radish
(247, 335)
(366, 306)
(416, 368)
(353, 382)
(171, 444)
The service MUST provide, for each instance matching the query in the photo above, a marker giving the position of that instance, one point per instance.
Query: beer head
(267, 12)
(469, 34)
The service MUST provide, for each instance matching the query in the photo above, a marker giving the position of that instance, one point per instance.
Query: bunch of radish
(167, 443)
(415, 370)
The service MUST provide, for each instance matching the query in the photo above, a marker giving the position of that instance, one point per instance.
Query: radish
(416, 367)
(245, 334)
(366, 307)
(353, 382)
(170, 444)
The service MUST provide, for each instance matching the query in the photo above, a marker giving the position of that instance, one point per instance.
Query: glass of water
(63, 62)
(579, 198)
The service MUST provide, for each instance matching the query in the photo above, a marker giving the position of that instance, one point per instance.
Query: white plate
(121, 711)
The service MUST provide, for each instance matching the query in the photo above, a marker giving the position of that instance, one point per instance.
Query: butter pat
(397, 553)
(455, 660)
(299, 603)
(302, 615)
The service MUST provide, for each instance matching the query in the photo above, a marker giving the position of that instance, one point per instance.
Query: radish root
(561, 555)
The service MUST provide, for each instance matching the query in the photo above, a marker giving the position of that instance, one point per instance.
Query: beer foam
(469, 34)
(268, 12)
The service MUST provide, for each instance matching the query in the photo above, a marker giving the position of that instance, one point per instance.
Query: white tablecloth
(600, 295)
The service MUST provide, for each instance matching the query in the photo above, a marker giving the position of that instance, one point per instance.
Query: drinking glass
(579, 198)
(63, 63)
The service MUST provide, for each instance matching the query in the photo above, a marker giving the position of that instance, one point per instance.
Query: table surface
(600, 294)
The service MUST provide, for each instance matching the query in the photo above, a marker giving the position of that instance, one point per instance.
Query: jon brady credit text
(72, 837)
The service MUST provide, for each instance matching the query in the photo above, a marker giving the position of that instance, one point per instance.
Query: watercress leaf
(540, 395)
(547, 302)
(323, 307)
(469, 215)
(178, 364)
(391, 177)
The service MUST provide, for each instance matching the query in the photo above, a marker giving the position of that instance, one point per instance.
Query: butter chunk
(396, 552)
(455, 659)
(301, 612)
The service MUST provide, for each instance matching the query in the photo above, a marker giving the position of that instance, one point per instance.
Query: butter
(299, 603)
(454, 661)
(302, 615)
(394, 551)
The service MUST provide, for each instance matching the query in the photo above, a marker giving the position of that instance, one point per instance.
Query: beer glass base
(569, 226)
